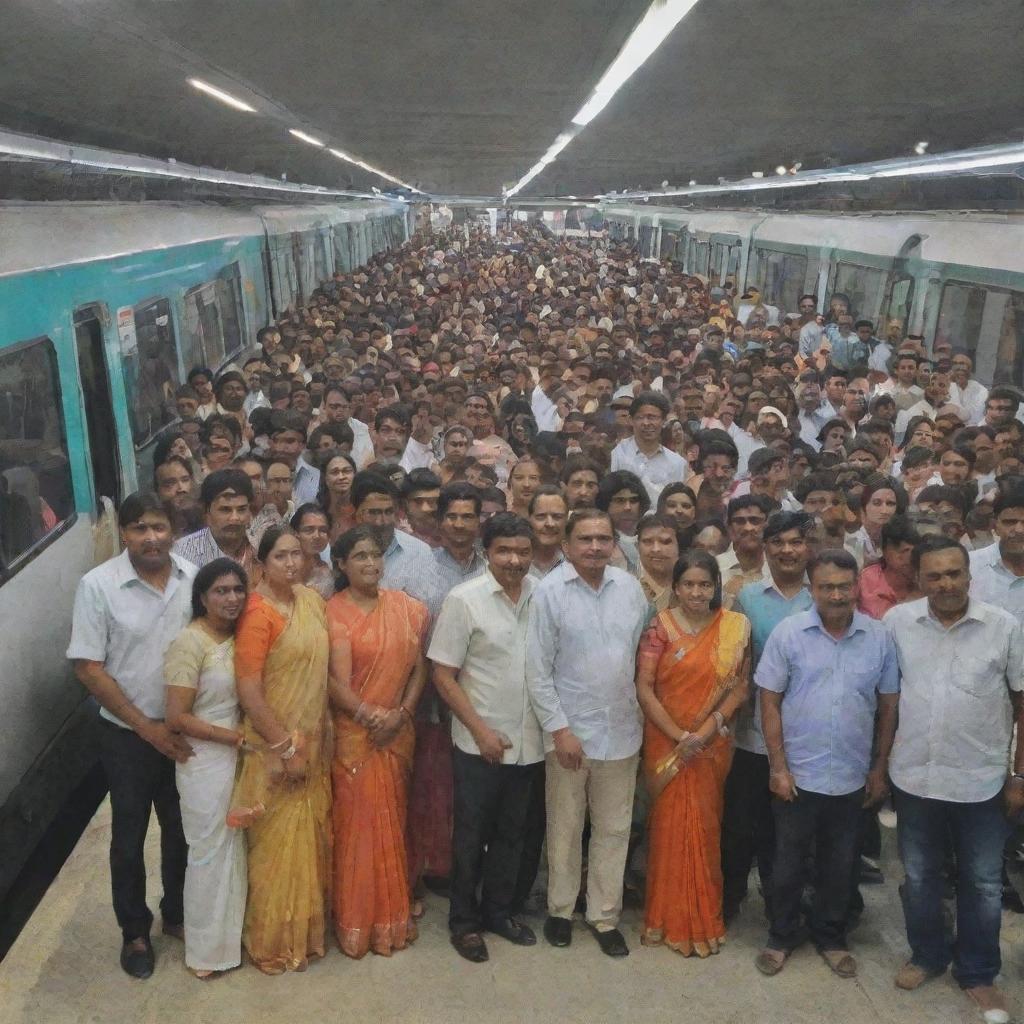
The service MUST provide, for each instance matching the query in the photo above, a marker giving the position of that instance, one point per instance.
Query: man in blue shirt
(748, 829)
(823, 675)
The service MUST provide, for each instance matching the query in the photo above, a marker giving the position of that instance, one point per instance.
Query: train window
(150, 370)
(988, 323)
(203, 344)
(901, 300)
(861, 285)
(781, 276)
(229, 302)
(213, 321)
(725, 259)
(36, 496)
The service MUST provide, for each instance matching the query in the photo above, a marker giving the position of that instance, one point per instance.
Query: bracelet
(1019, 776)
(288, 754)
(405, 711)
(281, 744)
(723, 729)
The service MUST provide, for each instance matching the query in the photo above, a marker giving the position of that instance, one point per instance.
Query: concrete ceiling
(463, 96)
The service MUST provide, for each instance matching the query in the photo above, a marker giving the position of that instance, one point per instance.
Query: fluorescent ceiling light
(348, 158)
(305, 137)
(32, 147)
(648, 34)
(220, 94)
(651, 31)
(1010, 154)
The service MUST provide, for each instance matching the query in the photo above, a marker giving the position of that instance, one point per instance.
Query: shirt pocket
(977, 676)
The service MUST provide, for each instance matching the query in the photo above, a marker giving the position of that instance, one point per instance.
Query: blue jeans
(978, 832)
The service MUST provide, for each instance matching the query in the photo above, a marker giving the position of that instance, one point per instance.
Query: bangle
(280, 745)
(723, 729)
(287, 755)
(405, 711)
(1019, 776)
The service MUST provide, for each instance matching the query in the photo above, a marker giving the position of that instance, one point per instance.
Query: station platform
(63, 968)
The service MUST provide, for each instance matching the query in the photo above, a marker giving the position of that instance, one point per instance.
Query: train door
(98, 403)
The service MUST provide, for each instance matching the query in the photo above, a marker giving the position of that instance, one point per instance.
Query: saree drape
(289, 845)
(371, 898)
(684, 876)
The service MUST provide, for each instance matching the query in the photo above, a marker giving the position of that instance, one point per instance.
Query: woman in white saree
(203, 706)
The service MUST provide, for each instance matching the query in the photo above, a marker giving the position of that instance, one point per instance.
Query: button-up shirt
(122, 621)
(993, 583)
(482, 633)
(656, 471)
(956, 719)
(811, 424)
(306, 483)
(735, 577)
(830, 692)
(581, 657)
(447, 572)
(765, 606)
(407, 566)
(971, 398)
(200, 549)
(847, 350)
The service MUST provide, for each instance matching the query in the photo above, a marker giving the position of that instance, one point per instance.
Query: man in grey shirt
(585, 623)
(127, 611)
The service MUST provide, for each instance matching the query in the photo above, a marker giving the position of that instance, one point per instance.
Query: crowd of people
(518, 557)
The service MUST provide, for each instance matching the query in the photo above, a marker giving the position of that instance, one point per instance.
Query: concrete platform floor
(63, 968)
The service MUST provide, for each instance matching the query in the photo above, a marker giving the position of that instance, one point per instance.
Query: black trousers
(492, 804)
(830, 827)
(748, 828)
(140, 777)
(534, 832)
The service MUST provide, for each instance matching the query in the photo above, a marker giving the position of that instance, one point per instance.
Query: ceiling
(461, 97)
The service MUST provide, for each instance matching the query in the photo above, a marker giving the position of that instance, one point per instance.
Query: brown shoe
(841, 962)
(910, 976)
(991, 1002)
(770, 961)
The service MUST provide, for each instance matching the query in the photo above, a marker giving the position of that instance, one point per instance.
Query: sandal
(770, 961)
(841, 962)
(417, 909)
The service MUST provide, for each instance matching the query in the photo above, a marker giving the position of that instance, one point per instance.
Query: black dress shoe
(138, 963)
(516, 932)
(437, 885)
(471, 946)
(558, 931)
(611, 942)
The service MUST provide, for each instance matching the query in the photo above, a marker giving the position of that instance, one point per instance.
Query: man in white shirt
(997, 571)
(901, 383)
(643, 453)
(961, 663)
(810, 331)
(337, 408)
(127, 612)
(585, 625)
(812, 415)
(966, 392)
(478, 652)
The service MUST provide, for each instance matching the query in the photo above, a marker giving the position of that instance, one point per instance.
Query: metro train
(103, 307)
(956, 276)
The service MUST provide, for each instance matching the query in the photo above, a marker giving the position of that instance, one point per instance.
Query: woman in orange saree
(281, 675)
(377, 673)
(692, 676)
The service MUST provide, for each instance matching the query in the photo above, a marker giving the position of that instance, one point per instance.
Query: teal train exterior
(945, 274)
(103, 308)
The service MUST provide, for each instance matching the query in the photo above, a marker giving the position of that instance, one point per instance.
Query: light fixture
(920, 148)
(1008, 154)
(305, 138)
(348, 158)
(650, 32)
(33, 147)
(757, 174)
(781, 169)
(220, 94)
(660, 18)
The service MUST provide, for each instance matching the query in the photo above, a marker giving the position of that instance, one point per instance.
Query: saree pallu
(289, 846)
(684, 875)
(371, 903)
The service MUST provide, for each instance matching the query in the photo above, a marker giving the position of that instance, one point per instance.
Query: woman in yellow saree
(281, 655)
(692, 675)
(377, 674)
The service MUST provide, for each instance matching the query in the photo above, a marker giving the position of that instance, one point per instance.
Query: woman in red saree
(377, 672)
(692, 675)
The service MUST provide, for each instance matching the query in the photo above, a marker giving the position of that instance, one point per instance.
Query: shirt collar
(570, 574)
(814, 622)
(125, 572)
(975, 613)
